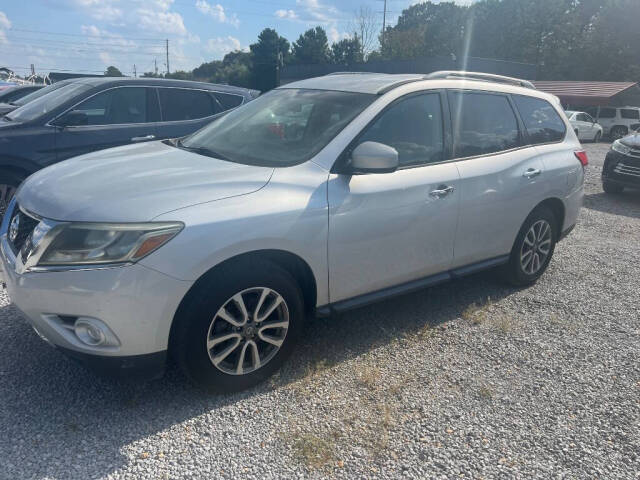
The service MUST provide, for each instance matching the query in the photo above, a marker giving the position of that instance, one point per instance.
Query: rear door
(390, 228)
(114, 117)
(185, 110)
(501, 180)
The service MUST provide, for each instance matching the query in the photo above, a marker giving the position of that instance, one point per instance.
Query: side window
(116, 106)
(630, 114)
(228, 100)
(588, 118)
(582, 117)
(184, 104)
(541, 120)
(413, 126)
(607, 113)
(482, 123)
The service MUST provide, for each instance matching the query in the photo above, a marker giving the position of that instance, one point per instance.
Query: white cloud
(318, 12)
(4, 21)
(223, 45)
(288, 14)
(103, 10)
(217, 12)
(153, 20)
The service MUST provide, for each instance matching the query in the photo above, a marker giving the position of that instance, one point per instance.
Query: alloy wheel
(535, 247)
(247, 331)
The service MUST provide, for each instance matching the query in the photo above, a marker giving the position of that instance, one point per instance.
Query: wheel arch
(557, 207)
(296, 266)
(18, 166)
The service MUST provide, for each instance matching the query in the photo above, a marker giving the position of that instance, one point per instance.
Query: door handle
(442, 191)
(532, 172)
(143, 139)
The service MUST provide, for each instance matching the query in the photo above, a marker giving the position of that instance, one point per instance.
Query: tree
(312, 47)
(365, 26)
(113, 72)
(267, 54)
(347, 51)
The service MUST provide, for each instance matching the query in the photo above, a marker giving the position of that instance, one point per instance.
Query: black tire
(199, 310)
(597, 138)
(612, 188)
(513, 271)
(618, 132)
(9, 183)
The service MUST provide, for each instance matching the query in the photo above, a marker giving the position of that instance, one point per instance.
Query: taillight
(582, 156)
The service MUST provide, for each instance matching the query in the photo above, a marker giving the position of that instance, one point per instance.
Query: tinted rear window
(184, 104)
(228, 100)
(630, 113)
(482, 123)
(607, 113)
(541, 120)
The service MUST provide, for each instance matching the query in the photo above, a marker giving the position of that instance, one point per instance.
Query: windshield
(39, 93)
(46, 102)
(283, 127)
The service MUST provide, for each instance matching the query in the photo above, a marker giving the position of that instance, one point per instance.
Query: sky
(89, 35)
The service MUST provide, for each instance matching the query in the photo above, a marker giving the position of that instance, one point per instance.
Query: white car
(320, 196)
(586, 128)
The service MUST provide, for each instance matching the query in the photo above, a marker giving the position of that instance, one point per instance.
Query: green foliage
(269, 47)
(312, 47)
(113, 72)
(347, 51)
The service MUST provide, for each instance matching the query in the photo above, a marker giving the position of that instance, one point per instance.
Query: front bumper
(136, 303)
(621, 169)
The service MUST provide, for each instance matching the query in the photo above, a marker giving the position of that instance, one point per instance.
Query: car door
(585, 131)
(500, 181)
(389, 228)
(114, 117)
(185, 110)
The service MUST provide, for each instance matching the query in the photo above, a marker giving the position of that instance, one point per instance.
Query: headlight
(620, 147)
(98, 243)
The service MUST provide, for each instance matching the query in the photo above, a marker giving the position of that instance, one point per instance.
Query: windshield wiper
(201, 151)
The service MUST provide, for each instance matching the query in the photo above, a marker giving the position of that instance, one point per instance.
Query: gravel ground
(467, 379)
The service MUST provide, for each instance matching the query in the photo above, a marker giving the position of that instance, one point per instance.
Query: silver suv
(319, 196)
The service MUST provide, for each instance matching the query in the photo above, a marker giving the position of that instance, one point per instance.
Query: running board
(409, 287)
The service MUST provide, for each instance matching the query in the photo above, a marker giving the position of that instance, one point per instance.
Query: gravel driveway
(468, 379)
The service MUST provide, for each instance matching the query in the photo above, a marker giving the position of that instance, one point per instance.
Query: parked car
(616, 122)
(585, 126)
(10, 107)
(214, 248)
(622, 165)
(12, 94)
(88, 114)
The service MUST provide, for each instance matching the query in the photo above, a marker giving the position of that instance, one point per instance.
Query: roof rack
(486, 77)
(351, 73)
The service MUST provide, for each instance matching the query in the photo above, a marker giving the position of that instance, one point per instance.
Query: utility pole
(167, 46)
(155, 66)
(33, 69)
(135, 73)
(384, 19)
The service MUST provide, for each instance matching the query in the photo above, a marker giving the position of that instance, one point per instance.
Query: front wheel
(618, 132)
(9, 183)
(239, 326)
(533, 248)
(612, 188)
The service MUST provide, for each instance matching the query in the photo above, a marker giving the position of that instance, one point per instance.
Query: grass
(476, 313)
(314, 451)
(369, 376)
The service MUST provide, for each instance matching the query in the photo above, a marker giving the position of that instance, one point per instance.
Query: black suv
(91, 114)
(622, 165)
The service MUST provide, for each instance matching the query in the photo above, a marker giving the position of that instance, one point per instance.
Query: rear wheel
(618, 132)
(613, 188)
(239, 326)
(9, 183)
(533, 248)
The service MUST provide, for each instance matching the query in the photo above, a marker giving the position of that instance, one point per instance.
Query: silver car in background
(317, 197)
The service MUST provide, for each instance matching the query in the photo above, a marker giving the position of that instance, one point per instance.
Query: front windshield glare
(283, 127)
(46, 103)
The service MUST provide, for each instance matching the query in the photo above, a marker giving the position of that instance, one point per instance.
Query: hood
(135, 183)
(632, 141)
(6, 108)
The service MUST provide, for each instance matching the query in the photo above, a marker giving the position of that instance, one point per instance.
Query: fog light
(89, 332)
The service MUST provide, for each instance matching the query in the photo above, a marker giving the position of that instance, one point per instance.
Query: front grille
(26, 226)
(624, 169)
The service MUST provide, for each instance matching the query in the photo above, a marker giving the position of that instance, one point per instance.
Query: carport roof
(584, 93)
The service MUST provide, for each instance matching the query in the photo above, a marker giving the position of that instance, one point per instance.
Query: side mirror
(74, 118)
(373, 157)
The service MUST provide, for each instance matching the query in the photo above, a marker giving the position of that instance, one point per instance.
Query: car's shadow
(70, 420)
(626, 203)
